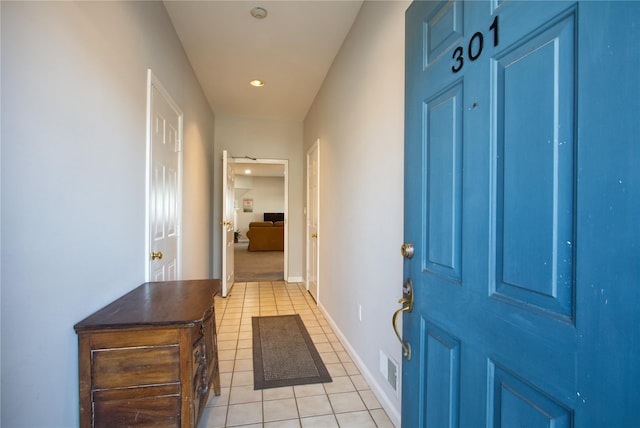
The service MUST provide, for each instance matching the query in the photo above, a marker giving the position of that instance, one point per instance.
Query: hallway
(346, 402)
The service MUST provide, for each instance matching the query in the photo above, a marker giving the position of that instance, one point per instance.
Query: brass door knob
(314, 235)
(156, 255)
(407, 250)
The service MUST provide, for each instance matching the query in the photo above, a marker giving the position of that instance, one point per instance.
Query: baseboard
(294, 279)
(391, 410)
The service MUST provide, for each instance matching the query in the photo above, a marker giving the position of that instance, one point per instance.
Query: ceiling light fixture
(257, 83)
(247, 171)
(259, 12)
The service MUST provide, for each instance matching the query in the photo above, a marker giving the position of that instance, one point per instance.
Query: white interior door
(313, 210)
(228, 215)
(164, 185)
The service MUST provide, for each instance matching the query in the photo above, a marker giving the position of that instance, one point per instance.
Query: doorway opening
(260, 220)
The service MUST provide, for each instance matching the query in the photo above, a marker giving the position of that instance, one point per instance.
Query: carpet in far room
(256, 266)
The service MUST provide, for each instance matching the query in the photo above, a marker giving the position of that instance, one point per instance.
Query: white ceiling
(291, 50)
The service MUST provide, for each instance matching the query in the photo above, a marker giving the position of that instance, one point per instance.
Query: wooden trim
(84, 377)
(186, 370)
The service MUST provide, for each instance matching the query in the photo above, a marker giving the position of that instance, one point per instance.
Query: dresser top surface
(156, 304)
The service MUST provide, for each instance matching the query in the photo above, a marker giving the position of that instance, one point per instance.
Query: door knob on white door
(156, 255)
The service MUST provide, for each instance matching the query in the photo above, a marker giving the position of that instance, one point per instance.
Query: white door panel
(313, 210)
(164, 189)
(228, 215)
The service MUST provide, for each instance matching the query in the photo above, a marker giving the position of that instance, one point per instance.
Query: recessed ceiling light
(257, 83)
(259, 12)
(247, 171)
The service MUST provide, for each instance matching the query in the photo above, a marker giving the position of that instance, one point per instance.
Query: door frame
(227, 280)
(315, 146)
(244, 160)
(153, 81)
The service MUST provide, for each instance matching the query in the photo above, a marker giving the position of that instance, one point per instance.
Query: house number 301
(476, 45)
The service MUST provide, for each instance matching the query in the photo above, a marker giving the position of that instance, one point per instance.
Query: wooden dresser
(150, 358)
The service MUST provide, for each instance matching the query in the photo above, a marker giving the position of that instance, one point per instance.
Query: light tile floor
(346, 402)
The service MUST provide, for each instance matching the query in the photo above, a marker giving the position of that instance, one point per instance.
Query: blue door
(522, 202)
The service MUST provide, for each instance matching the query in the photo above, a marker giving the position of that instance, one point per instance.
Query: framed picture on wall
(247, 205)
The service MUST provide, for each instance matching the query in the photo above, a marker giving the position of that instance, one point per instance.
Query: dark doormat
(284, 354)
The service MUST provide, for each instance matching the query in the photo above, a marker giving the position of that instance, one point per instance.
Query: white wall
(358, 117)
(263, 139)
(73, 182)
(268, 197)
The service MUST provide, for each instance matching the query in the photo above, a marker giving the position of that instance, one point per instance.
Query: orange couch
(266, 236)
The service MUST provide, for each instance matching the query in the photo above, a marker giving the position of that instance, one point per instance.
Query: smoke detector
(259, 12)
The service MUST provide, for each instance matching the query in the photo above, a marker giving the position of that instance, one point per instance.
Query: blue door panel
(535, 155)
(443, 148)
(518, 404)
(441, 365)
(443, 29)
(528, 165)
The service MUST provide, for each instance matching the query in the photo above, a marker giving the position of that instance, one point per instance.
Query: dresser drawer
(119, 368)
(153, 406)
